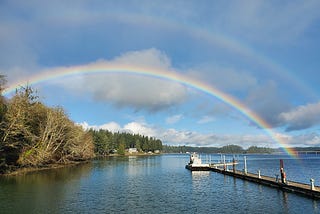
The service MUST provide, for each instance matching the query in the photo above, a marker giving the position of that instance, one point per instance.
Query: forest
(106, 142)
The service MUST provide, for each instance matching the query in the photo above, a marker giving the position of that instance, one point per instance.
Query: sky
(263, 54)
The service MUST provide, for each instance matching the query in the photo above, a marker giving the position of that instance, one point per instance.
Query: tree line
(230, 149)
(106, 142)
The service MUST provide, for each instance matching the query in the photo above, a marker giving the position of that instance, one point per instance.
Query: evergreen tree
(121, 149)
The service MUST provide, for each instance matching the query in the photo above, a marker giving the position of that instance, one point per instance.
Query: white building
(132, 150)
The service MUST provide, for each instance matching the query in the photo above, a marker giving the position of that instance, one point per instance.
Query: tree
(33, 134)
(121, 149)
(255, 149)
(102, 142)
(16, 125)
(231, 149)
(3, 106)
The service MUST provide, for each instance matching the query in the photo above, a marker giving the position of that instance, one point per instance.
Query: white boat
(196, 164)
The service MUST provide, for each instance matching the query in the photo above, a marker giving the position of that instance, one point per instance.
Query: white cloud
(140, 92)
(311, 139)
(137, 92)
(132, 127)
(152, 58)
(111, 126)
(174, 119)
(306, 139)
(140, 128)
(302, 117)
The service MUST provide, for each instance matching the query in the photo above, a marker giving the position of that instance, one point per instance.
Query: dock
(308, 190)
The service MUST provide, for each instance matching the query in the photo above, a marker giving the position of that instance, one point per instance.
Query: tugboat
(196, 164)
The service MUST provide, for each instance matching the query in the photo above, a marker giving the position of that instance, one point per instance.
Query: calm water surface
(157, 184)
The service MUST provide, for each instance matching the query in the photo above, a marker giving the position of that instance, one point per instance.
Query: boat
(195, 163)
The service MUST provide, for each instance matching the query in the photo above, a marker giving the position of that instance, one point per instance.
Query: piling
(245, 171)
(312, 184)
(233, 165)
(282, 172)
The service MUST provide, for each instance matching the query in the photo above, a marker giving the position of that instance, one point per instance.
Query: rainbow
(226, 42)
(170, 75)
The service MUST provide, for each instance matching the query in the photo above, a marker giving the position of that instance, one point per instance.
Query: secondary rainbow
(61, 72)
(223, 41)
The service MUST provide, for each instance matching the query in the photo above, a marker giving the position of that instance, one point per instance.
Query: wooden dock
(289, 186)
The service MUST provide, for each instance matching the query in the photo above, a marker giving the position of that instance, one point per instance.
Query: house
(132, 150)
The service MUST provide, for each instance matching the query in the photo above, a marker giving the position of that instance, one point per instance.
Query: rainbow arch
(164, 74)
(224, 41)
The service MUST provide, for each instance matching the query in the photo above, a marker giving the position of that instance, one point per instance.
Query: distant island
(234, 149)
(229, 149)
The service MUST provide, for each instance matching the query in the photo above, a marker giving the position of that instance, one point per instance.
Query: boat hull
(197, 168)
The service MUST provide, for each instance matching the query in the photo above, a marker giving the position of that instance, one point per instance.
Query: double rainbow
(154, 73)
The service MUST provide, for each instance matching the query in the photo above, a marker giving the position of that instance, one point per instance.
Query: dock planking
(289, 186)
(308, 190)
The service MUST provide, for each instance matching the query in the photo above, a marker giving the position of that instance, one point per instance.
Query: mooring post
(259, 175)
(224, 162)
(312, 183)
(245, 165)
(282, 172)
(233, 165)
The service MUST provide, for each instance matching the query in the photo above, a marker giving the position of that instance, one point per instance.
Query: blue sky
(263, 53)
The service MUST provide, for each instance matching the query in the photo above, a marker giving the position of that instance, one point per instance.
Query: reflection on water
(146, 185)
(42, 190)
(316, 206)
(199, 175)
(199, 180)
(285, 200)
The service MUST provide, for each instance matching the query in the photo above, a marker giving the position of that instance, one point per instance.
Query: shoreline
(26, 170)
(132, 154)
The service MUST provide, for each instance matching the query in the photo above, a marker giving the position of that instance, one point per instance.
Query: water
(156, 184)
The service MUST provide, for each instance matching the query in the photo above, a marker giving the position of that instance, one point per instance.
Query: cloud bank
(191, 138)
(302, 117)
(128, 90)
